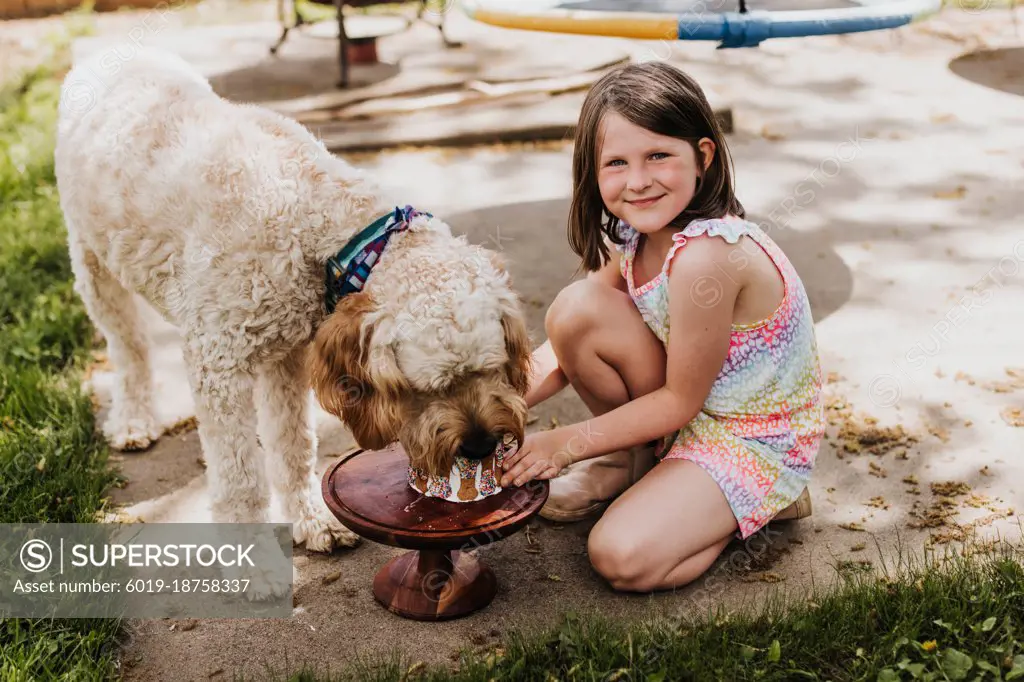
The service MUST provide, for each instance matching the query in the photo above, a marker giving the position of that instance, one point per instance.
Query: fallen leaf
(330, 578)
(911, 479)
(852, 526)
(958, 193)
(528, 534)
(950, 488)
(963, 376)
(554, 577)
(977, 501)
(1013, 416)
(855, 565)
(858, 547)
(939, 432)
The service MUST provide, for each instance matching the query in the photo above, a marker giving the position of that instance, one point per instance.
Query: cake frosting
(469, 480)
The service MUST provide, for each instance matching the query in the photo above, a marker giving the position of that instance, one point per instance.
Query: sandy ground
(889, 167)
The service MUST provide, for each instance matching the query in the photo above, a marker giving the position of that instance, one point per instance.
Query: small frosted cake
(470, 480)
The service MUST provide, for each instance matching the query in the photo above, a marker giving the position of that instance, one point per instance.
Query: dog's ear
(517, 340)
(353, 383)
(517, 345)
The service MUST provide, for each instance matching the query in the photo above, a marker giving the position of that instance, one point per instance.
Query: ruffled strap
(678, 242)
(729, 230)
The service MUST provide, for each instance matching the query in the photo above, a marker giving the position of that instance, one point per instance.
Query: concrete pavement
(892, 181)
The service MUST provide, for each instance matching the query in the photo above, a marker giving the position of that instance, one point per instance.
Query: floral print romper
(759, 430)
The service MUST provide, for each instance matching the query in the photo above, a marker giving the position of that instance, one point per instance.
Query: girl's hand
(541, 457)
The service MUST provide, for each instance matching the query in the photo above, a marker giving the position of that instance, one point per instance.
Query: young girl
(732, 396)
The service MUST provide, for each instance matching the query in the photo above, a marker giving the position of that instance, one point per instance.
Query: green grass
(53, 467)
(959, 619)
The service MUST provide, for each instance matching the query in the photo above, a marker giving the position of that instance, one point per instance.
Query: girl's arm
(546, 377)
(703, 287)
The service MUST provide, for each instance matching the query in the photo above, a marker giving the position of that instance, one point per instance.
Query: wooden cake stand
(369, 492)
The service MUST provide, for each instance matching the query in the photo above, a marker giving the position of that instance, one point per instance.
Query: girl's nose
(638, 179)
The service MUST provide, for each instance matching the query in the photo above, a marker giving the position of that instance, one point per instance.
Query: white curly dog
(223, 216)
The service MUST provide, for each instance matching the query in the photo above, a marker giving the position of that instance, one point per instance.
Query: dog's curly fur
(222, 216)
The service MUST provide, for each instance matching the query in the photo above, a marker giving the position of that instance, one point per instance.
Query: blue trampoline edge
(749, 29)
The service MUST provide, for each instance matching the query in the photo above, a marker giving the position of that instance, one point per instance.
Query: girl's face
(646, 179)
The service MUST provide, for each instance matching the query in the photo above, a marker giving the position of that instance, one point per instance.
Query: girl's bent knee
(578, 308)
(617, 560)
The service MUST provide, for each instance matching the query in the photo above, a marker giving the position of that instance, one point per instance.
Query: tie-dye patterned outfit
(759, 430)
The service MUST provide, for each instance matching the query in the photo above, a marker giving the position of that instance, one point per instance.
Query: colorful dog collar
(348, 270)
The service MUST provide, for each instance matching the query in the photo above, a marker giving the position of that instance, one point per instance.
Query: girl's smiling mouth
(644, 203)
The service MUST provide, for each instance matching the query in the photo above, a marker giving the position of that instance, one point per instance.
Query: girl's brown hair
(660, 98)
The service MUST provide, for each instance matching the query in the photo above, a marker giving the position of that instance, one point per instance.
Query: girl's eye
(615, 162)
(657, 156)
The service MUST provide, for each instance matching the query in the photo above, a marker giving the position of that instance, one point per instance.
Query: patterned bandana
(347, 271)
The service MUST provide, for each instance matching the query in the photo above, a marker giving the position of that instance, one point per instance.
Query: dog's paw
(321, 531)
(265, 579)
(131, 433)
(267, 586)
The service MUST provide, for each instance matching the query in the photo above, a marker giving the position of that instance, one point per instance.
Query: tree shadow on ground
(540, 270)
(1000, 69)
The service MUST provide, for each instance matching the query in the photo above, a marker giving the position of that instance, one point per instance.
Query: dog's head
(434, 354)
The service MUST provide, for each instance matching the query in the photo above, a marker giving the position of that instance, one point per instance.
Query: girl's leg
(663, 532)
(610, 357)
(603, 345)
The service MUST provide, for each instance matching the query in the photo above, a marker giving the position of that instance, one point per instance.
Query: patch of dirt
(860, 434)
(949, 498)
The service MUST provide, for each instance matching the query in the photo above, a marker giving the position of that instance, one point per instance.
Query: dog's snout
(478, 445)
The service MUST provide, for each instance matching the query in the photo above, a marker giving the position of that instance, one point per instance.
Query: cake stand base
(434, 585)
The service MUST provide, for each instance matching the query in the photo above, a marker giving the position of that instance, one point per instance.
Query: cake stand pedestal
(369, 492)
